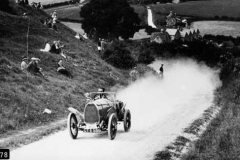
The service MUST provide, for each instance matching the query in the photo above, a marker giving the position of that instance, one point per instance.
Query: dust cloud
(152, 98)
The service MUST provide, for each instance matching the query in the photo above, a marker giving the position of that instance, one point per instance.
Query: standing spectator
(99, 46)
(161, 71)
(26, 2)
(134, 74)
(39, 5)
(170, 15)
(54, 15)
(103, 43)
(54, 21)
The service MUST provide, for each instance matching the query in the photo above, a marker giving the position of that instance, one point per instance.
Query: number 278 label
(4, 154)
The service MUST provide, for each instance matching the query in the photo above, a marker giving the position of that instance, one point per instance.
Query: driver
(100, 95)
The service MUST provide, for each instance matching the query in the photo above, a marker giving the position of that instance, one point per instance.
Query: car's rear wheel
(112, 126)
(127, 120)
(72, 125)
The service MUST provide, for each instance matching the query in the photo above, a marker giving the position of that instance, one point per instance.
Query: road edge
(185, 142)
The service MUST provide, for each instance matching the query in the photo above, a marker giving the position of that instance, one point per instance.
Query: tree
(4, 6)
(118, 56)
(109, 19)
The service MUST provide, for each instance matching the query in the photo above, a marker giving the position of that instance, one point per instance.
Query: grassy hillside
(23, 97)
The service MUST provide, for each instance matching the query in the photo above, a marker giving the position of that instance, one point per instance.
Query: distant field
(209, 8)
(218, 28)
(47, 1)
(67, 12)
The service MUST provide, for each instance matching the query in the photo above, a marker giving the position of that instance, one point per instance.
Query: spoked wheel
(72, 125)
(112, 126)
(127, 120)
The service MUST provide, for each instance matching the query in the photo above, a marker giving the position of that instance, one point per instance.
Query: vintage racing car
(102, 112)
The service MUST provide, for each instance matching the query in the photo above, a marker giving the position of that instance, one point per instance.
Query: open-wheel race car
(102, 112)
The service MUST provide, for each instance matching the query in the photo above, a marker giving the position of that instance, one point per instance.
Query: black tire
(72, 125)
(127, 120)
(112, 126)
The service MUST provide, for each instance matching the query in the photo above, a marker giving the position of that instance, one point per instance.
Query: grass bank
(24, 97)
(221, 139)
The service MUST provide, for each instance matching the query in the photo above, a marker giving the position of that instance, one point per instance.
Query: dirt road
(161, 109)
(139, 143)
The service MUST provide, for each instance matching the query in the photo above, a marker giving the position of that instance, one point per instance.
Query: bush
(118, 56)
(4, 6)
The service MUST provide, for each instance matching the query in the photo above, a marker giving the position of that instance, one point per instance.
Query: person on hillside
(103, 43)
(39, 6)
(78, 36)
(47, 47)
(85, 35)
(54, 15)
(48, 22)
(62, 70)
(34, 5)
(170, 15)
(134, 74)
(99, 46)
(54, 26)
(161, 71)
(33, 67)
(56, 47)
(24, 64)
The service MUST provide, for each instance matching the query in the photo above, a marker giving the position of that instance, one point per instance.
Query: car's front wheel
(127, 120)
(112, 126)
(72, 125)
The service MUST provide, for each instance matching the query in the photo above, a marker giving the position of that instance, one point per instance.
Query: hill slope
(23, 96)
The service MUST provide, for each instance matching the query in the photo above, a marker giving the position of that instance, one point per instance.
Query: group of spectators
(32, 67)
(22, 2)
(51, 22)
(134, 74)
(56, 47)
(33, 4)
(81, 37)
(37, 5)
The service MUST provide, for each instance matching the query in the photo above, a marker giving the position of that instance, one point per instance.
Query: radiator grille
(91, 114)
